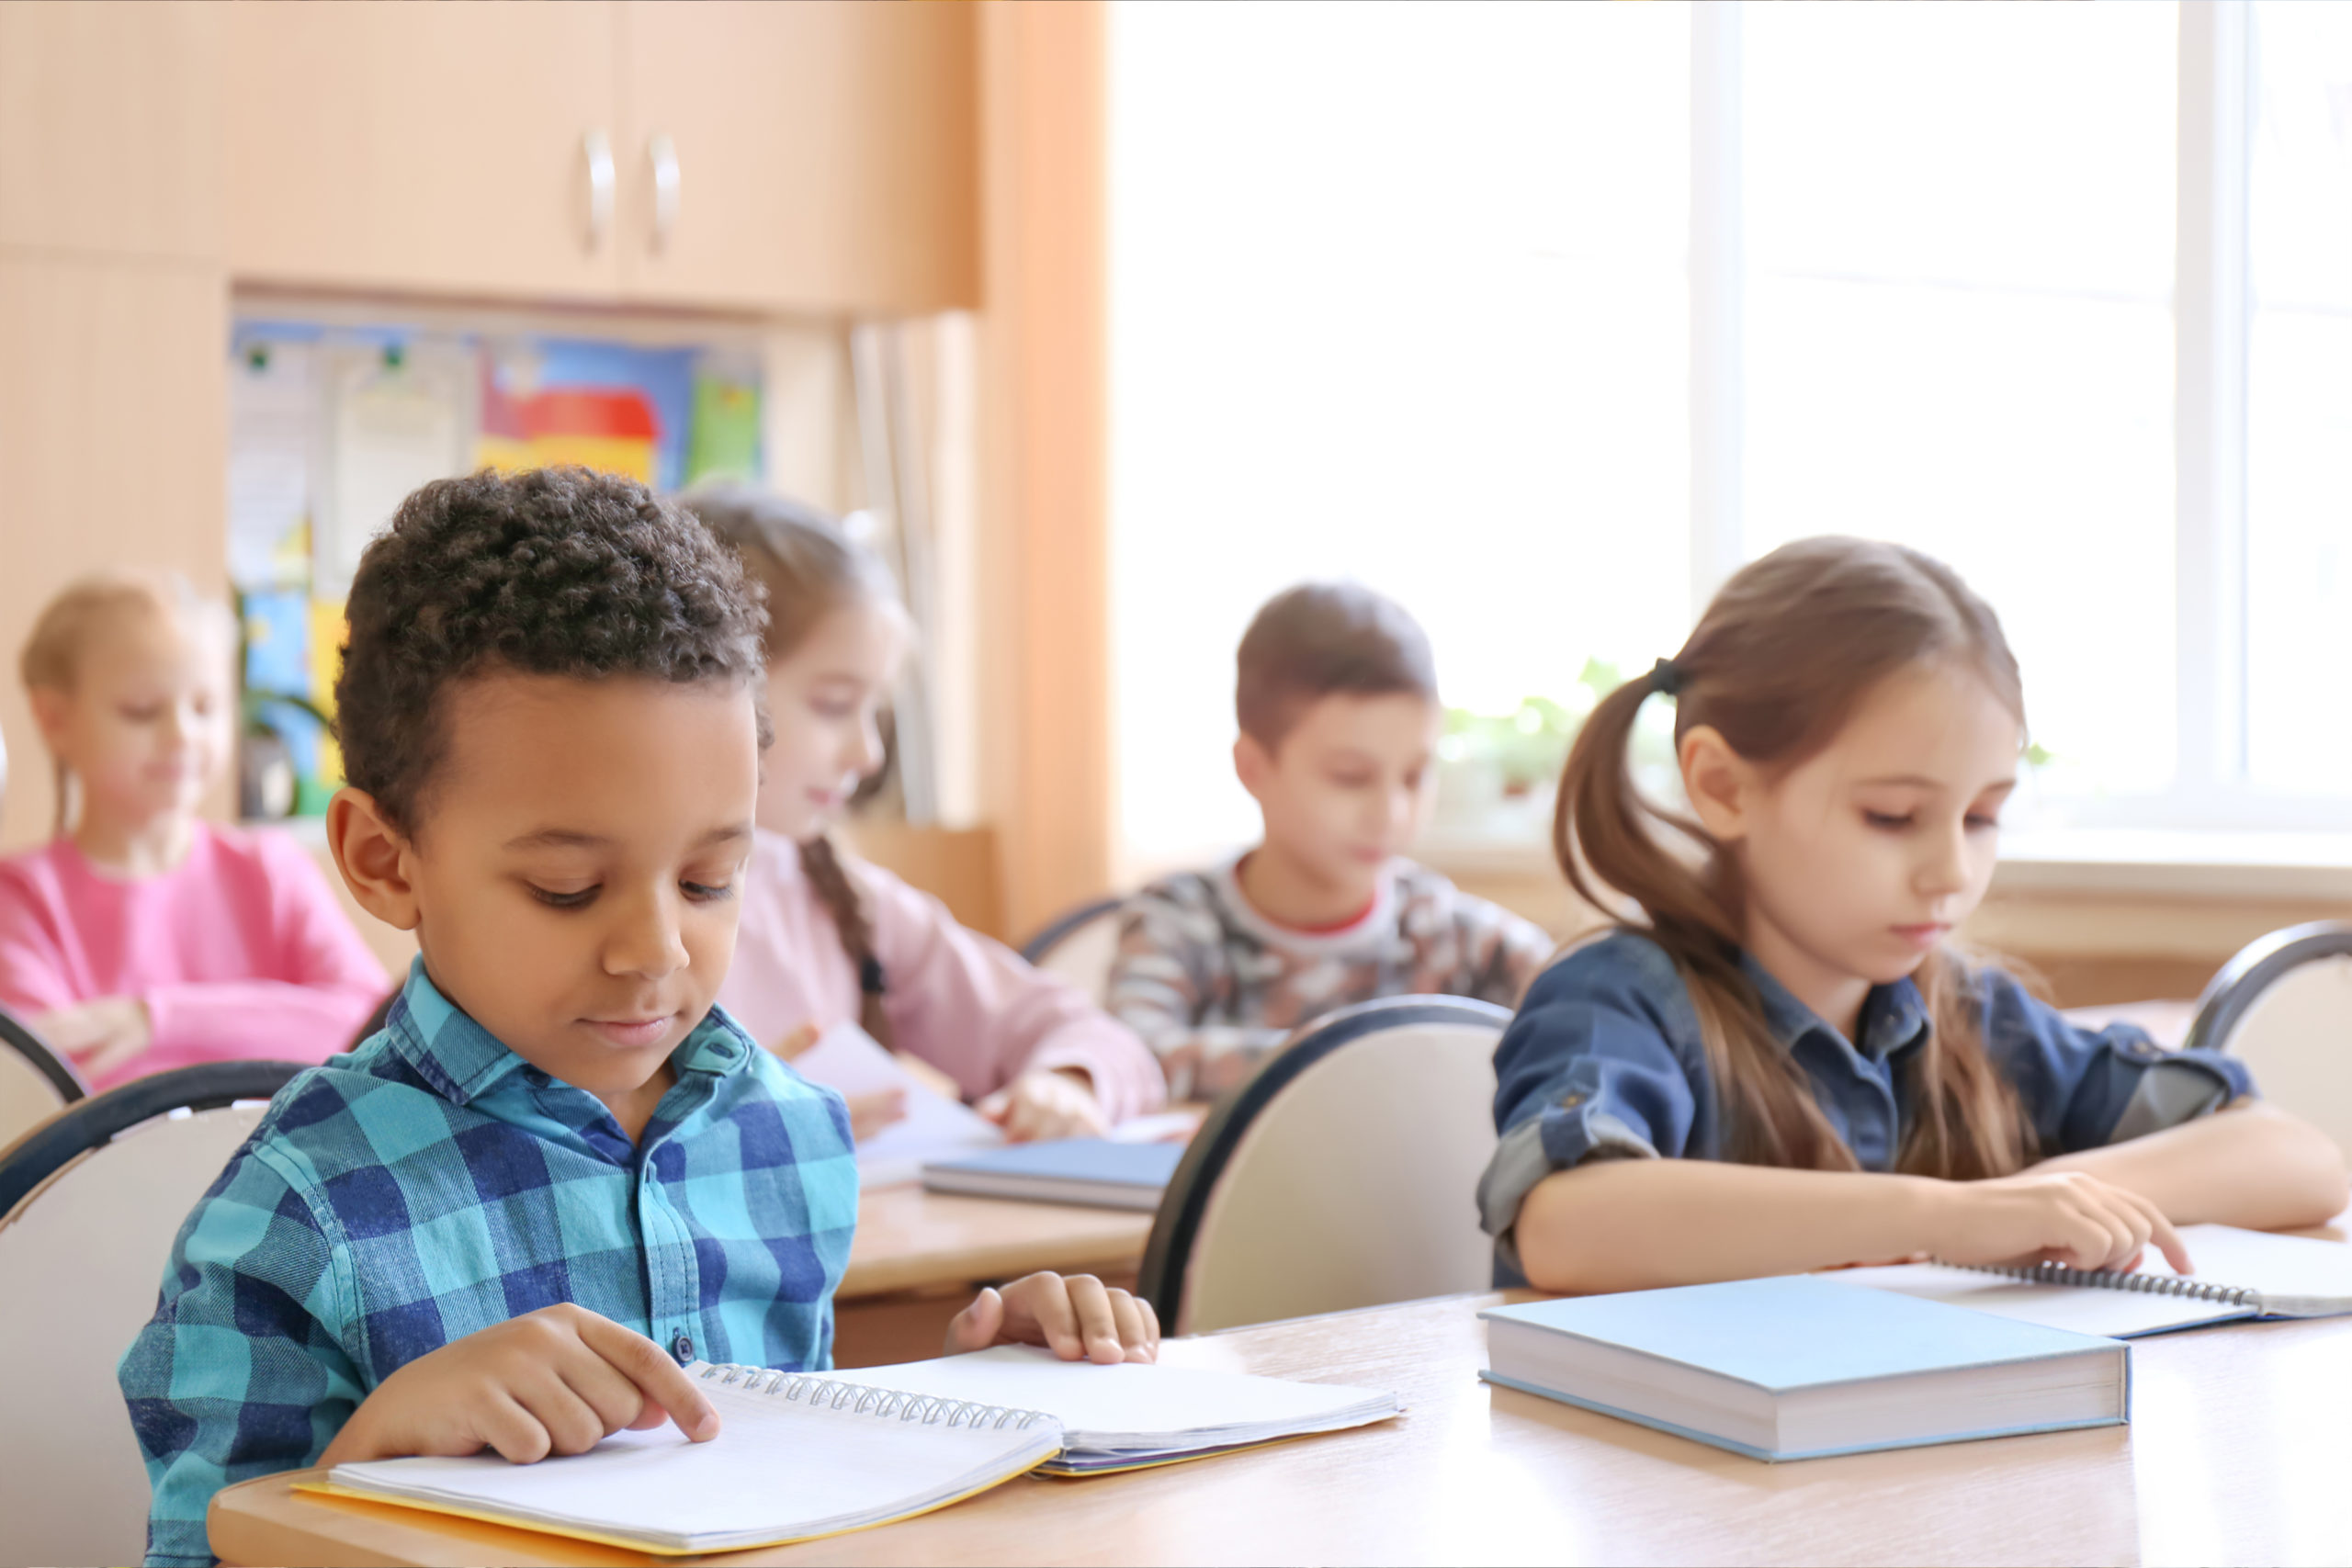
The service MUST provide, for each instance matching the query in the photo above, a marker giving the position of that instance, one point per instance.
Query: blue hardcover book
(1094, 1171)
(1799, 1368)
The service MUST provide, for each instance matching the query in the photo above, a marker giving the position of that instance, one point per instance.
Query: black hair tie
(869, 975)
(1666, 677)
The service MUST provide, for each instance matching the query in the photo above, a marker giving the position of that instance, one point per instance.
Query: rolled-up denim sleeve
(1586, 1071)
(2084, 1088)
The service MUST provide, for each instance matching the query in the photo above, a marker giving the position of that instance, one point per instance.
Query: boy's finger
(1151, 1321)
(649, 1367)
(571, 1425)
(975, 1329)
(618, 1401)
(1046, 1297)
(513, 1432)
(1098, 1325)
(1136, 1338)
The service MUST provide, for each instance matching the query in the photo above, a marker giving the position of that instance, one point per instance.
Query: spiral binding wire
(2108, 1280)
(860, 1400)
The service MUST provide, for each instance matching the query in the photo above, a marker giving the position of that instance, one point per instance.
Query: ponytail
(823, 865)
(1782, 655)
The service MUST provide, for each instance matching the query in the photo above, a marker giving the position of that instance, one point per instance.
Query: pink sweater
(239, 951)
(967, 1005)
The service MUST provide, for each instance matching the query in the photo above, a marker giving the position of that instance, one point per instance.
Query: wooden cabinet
(423, 146)
(109, 127)
(819, 155)
(814, 157)
(113, 419)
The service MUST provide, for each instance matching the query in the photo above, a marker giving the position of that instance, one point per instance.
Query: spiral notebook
(2240, 1274)
(797, 1457)
(804, 1455)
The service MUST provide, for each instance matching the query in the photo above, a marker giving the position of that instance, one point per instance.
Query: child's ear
(372, 854)
(50, 710)
(1718, 781)
(1253, 765)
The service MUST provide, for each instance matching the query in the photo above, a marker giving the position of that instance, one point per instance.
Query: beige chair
(35, 1083)
(89, 1205)
(1342, 1175)
(2284, 1007)
(1079, 946)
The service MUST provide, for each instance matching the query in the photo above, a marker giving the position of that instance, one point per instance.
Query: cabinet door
(109, 127)
(414, 146)
(114, 401)
(824, 155)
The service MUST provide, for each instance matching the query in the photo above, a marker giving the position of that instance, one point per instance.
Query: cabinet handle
(597, 157)
(661, 152)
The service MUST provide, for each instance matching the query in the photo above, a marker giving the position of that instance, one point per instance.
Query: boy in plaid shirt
(560, 1172)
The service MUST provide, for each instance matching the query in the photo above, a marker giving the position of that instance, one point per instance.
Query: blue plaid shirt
(433, 1183)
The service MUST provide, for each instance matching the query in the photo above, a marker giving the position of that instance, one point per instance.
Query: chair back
(1079, 946)
(35, 1083)
(2284, 1007)
(90, 1206)
(1341, 1174)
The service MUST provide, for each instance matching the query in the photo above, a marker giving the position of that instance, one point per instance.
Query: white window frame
(2210, 795)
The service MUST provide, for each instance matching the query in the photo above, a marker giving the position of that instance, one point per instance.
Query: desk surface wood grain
(909, 1239)
(2238, 1452)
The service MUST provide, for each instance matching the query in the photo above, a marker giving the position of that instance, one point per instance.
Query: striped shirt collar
(462, 1061)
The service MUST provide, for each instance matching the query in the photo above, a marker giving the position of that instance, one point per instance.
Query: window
(1490, 308)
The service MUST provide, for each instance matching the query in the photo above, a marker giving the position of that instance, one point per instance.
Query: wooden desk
(909, 1239)
(919, 1256)
(2240, 1445)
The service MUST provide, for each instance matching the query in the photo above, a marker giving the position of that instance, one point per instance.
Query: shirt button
(683, 1347)
(1572, 1099)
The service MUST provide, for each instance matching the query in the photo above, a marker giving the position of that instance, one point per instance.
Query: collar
(463, 1061)
(1894, 1016)
(1379, 914)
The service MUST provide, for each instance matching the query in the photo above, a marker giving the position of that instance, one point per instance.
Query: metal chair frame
(98, 1120)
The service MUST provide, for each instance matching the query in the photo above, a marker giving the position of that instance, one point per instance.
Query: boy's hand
(559, 1380)
(1046, 1104)
(869, 1113)
(1075, 1318)
(99, 1036)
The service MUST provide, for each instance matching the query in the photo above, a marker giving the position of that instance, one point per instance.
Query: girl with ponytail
(1779, 1062)
(827, 939)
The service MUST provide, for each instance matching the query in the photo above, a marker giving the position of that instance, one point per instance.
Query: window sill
(2080, 861)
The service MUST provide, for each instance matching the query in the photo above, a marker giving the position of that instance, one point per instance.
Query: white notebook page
(2294, 1273)
(1127, 1401)
(776, 1468)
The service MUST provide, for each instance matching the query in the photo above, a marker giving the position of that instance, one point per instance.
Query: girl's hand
(558, 1381)
(1046, 1104)
(99, 1036)
(1079, 1318)
(869, 1113)
(2049, 1216)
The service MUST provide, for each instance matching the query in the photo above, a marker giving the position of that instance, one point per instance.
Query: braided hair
(809, 568)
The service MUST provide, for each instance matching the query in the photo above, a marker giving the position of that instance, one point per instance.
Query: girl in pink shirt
(825, 938)
(146, 938)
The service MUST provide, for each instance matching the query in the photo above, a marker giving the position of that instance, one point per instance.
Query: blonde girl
(141, 937)
(826, 938)
(1784, 1064)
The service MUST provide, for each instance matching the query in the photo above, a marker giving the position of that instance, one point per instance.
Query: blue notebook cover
(1793, 1332)
(1142, 1166)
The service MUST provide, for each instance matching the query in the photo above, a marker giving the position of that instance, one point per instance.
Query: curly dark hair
(556, 571)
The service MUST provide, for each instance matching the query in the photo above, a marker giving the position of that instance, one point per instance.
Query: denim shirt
(1605, 1060)
(432, 1184)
